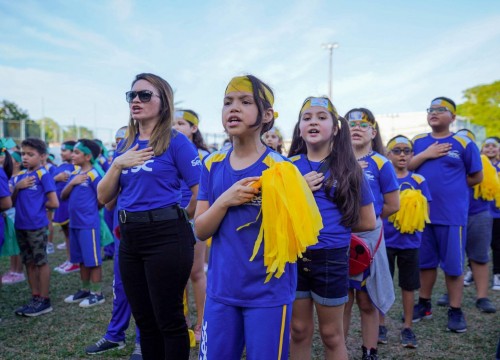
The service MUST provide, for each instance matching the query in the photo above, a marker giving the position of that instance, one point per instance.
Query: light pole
(330, 46)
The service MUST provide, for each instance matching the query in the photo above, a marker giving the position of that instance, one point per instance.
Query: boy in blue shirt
(404, 246)
(84, 220)
(451, 164)
(34, 192)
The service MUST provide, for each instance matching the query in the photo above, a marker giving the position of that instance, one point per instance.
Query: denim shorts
(323, 275)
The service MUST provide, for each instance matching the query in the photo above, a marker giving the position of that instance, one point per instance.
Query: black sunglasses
(144, 95)
(398, 151)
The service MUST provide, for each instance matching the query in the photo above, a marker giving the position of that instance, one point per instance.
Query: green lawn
(65, 332)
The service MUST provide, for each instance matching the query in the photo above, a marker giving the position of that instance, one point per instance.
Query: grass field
(65, 332)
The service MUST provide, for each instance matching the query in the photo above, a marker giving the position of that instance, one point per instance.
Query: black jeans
(155, 262)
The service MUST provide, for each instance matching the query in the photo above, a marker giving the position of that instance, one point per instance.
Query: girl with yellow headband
(491, 148)
(241, 309)
(321, 149)
(373, 288)
(186, 122)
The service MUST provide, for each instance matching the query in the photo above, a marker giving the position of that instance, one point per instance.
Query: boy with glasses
(451, 164)
(403, 243)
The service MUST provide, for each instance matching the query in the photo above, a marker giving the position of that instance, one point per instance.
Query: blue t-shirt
(381, 177)
(447, 177)
(51, 168)
(30, 202)
(333, 235)
(156, 184)
(232, 278)
(494, 211)
(479, 205)
(4, 192)
(395, 239)
(103, 162)
(186, 191)
(83, 205)
(67, 168)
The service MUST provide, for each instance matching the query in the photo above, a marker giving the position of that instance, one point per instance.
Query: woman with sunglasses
(373, 288)
(156, 250)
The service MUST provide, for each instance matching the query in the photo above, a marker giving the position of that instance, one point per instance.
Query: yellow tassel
(413, 212)
(291, 220)
(192, 339)
(489, 188)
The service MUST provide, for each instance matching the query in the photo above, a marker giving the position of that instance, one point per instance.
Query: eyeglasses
(144, 95)
(362, 125)
(398, 151)
(438, 110)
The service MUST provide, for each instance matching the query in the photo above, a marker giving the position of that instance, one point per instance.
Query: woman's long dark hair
(346, 176)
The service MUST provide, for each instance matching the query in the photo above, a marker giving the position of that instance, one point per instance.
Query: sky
(74, 60)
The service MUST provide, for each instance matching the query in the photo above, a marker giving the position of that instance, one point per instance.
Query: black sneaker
(40, 307)
(104, 345)
(137, 354)
(485, 305)
(456, 321)
(20, 310)
(77, 297)
(443, 300)
(372, 355)
(382, 335)
(408, 339)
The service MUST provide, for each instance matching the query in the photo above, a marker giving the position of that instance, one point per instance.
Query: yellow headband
(322, 102)
(359, 115)
(186, 115)
(243, 83)
(399, 140)
(444, 103)
(490, 141)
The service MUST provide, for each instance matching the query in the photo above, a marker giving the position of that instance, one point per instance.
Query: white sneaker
(496, 282)
(61, 246)
(468, 278)
(50, 248)
(61, 267)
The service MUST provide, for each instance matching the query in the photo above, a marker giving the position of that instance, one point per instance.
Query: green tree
(71, 133)
(51, 129)
(12, 115)
(482, 107)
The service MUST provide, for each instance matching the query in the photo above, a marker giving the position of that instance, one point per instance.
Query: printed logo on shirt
(196, 162)
(204, 341)
(138, 168)
(454, 154)
(256, 201)
(369, 175)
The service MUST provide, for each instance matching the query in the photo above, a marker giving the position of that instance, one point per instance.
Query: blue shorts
(227, 330)
(323, 275)
(479, 228)
(85, 246)
(61, 214)
(443, 245)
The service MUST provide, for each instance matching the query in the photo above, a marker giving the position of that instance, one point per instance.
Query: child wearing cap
(403, 244)
(451, 164)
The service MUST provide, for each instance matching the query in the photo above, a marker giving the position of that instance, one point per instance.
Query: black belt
(169, 213)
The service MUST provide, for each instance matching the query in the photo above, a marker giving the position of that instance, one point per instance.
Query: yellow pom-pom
(291, 220)
(489, 188)
(413, 212)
